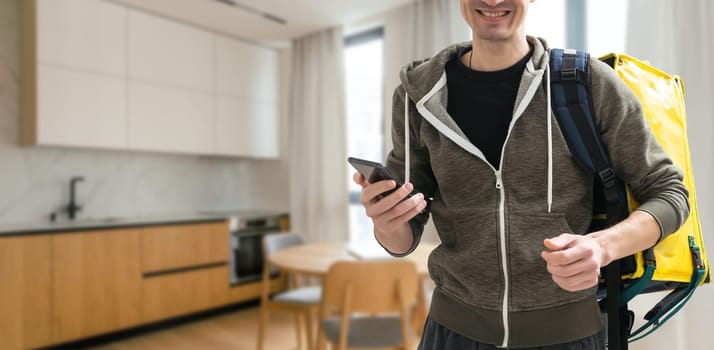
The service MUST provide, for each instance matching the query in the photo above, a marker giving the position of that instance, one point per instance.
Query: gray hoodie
(491, 282)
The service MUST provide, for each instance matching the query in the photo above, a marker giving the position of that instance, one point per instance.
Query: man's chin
(494, 37)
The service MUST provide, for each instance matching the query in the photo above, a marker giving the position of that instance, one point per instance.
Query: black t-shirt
(482, 103)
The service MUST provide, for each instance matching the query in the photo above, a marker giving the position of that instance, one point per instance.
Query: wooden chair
(304, 302)
(368, 304)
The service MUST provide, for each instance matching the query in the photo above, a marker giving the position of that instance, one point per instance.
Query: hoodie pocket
(446, 229)
(467, 262)
(460, 226)
(532, 286)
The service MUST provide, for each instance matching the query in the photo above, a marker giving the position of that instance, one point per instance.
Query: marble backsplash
(34, 181)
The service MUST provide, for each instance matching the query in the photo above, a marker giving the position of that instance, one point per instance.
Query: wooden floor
(234, 330)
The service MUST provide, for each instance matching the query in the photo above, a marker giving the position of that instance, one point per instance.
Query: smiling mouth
(493, 13)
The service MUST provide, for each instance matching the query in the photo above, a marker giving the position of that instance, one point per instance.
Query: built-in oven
(246, 259)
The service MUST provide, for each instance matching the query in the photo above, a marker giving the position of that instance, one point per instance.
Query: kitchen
(131, 173)
(122, 109)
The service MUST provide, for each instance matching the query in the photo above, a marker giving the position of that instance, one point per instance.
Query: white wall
(34, 181)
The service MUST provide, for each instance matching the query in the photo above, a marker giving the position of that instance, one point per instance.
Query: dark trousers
(438, 337)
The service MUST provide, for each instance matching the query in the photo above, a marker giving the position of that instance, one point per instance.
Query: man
(516, 267)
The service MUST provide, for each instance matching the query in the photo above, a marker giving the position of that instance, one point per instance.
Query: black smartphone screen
(374, 172)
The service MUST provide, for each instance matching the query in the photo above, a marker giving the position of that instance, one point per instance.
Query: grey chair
(302, 301)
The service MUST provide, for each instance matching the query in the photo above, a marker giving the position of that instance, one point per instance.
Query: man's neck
(490, 56)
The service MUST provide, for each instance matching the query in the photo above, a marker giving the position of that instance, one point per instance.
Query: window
(606, 36)
(580, 24)
(363, 88)
(546, 19)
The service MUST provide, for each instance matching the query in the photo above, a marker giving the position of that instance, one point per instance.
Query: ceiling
(302, 16)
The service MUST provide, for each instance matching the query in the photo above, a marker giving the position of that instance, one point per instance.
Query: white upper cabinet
(82, 34)
(170, 119)
(80, 85)
(246, 127)
(171, 86)
(171, 53)
(247, 85)
(246, 70)
(80, 109)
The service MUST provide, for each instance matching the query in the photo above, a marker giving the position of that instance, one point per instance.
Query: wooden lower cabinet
(62, 287)
(25, 288)
(96, 283)
(184, 267)
(173, 247)
(175, 294)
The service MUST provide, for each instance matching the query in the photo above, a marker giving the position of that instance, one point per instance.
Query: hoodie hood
(423, 80)
(420, 76)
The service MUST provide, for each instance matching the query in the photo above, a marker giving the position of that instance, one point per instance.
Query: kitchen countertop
(111, 222)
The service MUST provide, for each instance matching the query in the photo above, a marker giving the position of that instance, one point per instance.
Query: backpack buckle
(607, 177)
(568, 74)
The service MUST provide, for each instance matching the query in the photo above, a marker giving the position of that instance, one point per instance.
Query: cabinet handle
(183, 269)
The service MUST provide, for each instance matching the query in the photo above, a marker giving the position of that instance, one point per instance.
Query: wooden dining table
(314, 259)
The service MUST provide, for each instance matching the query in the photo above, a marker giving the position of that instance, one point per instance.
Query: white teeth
(493, 14)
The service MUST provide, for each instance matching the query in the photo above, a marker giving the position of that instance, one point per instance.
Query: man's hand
(392, 212)
(574, 261)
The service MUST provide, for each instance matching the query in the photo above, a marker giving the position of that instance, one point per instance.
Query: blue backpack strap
(570, 88)
(572, 103)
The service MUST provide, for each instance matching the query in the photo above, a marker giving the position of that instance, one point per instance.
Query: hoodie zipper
(502, 212)
(504, 263)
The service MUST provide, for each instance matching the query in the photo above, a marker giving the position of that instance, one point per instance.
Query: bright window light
(546, 19)
(364, 80)
(608, 36)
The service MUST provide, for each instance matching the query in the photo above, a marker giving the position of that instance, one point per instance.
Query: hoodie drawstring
(406, 137)
(550, 138)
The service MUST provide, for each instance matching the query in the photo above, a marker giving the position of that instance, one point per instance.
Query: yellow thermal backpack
(678, 262)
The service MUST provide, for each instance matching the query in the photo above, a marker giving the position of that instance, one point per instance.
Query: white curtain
(677, 36)
(318, 156)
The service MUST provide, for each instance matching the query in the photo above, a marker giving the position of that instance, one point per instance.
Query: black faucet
(73, 207)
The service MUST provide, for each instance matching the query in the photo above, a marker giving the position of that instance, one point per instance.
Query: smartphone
(374, 172)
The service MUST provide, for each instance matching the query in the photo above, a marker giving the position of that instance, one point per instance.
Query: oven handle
(241, 234)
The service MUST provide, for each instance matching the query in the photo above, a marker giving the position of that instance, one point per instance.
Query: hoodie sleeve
(637, 157)
(421, 175)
